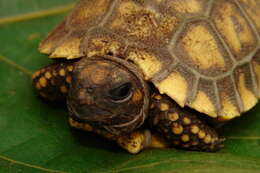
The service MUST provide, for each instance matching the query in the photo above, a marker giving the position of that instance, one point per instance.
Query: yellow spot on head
(63, 89)
(43, 82)
(137, 96)
(194, 129)
(173, 116)
(185, 138)
(97, 75)
(177, 129)
(62, 72)
(48, 75)
(164, 107)
(186, 121)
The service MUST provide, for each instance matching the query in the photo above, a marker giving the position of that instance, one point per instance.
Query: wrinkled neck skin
(87, 101)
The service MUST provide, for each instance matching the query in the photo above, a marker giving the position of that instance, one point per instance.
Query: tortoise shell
(204, 54)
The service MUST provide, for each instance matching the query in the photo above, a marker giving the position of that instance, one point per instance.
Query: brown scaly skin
(181, 126)
(99, 101)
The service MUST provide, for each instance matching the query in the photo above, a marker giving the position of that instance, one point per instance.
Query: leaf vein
(167, 161)
(37, 14)
(30, 165)
(15, 65)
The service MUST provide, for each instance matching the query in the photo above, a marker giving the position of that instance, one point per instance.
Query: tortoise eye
(120, 93)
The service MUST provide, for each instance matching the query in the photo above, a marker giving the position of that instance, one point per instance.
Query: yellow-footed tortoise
(153, 73)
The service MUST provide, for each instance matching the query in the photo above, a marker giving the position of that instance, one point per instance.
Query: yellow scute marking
(252, 8)
(143, 23)
(175, 86)
(187, 6)
(248, 98)
(88, 10)
(229, 110)
(202, 48)
(146, 61)
(103, 46)
(126, 8)
(233, 27)
(202, 103)
(257, 71)
(68, 49)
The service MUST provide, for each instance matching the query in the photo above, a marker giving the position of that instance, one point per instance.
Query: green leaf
(35, 136)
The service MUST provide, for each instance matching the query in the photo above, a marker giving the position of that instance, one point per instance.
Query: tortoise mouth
(115, 124)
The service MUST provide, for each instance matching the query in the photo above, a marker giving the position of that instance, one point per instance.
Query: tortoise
(155, 73)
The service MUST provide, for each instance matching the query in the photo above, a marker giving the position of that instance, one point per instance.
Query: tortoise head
(108, 93)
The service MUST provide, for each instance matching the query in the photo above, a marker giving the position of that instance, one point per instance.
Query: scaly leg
(182, 126)
(53, 81)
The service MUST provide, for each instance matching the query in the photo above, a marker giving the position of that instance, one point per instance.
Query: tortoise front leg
(133, 143)
(53, 81)
(181, 127)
